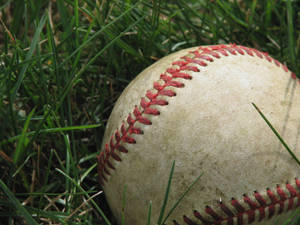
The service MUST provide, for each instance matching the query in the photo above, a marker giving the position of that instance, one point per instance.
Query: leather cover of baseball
(195, 107)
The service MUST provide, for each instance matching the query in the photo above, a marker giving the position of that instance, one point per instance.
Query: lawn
(63, 64)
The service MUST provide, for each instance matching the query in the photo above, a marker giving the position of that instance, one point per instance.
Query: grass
(64, 63)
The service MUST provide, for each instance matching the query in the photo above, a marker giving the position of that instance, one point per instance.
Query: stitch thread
(169, 78)
(261, 205)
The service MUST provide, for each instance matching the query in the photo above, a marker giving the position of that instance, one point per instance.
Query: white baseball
(195, 107)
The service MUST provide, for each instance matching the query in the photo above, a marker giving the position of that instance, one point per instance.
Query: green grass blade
(164, 205)
(24, 162)
(123, 205)
(68, 169)
(51, 130)
(290, 32)
(149, 213)
(155, 14)
(86, 194)
(87, 172)
(29, 56)
(84, 42)
(17, 204)
(48, 170)
(123, 44)
(5, 5)
(227, 9)
(76, 9)
(76, 76)
(277, 135)
(21, 143)
(252, 14)
(104, 28)
(181, 197)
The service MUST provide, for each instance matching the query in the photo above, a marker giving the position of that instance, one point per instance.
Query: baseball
(195, 107)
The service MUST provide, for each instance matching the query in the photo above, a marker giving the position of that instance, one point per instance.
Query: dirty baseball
(195, 107)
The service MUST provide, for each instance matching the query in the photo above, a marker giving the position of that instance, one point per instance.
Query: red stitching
(212, 213)
(289, 195)
(166, 80)
(226, 210)
(188, 221)
(199, 216)
(175, 222)
(202, 57)
(190, 60)
(259, 198)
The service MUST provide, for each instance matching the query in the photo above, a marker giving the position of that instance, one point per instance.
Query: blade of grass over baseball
(277, 134)
(181, 197)
(17, 204)
(163, 208)
(149, 213)
(123, 204)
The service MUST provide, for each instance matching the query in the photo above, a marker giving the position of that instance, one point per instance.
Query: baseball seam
(169, 78)
(282, 200)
